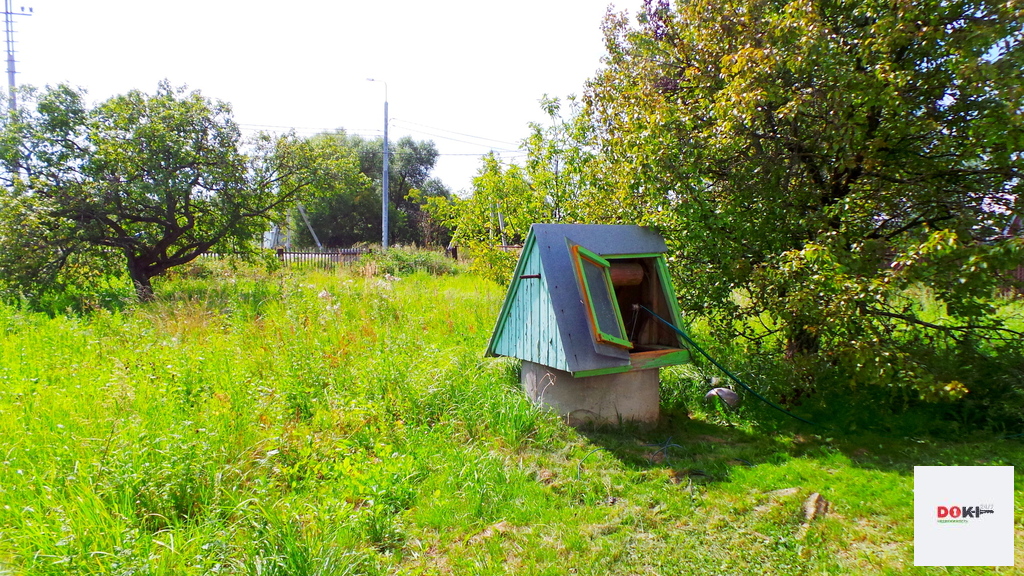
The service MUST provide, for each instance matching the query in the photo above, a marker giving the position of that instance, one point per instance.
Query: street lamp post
(384, 187)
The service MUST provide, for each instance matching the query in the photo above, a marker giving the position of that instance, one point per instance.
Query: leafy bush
(85, 283)
(492, 262)
(400, 261)
(965, 387)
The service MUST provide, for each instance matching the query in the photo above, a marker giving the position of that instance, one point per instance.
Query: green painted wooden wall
(527, 328)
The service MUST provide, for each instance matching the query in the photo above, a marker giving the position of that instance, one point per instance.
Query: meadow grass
(325, 422)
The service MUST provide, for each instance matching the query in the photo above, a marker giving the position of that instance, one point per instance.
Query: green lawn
(327, 423)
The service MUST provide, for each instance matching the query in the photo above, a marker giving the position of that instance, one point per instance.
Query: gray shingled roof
(553, 242)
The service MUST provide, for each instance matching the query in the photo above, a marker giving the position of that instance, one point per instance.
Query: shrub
(401, 261)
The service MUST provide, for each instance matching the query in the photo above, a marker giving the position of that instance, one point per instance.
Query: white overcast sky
(467, 74)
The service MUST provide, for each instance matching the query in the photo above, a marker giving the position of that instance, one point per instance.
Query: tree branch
(968, 328)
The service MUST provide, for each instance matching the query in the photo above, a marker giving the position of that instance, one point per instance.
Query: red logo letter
(943, 511)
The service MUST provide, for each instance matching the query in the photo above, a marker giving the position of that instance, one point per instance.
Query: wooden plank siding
(544, 321)
(527, 328)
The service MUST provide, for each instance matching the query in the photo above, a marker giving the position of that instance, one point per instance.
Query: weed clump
(402, 261)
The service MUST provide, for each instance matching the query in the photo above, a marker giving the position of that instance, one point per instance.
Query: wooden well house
(574, 314)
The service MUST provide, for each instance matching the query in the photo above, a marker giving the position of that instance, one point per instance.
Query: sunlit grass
(332, 423)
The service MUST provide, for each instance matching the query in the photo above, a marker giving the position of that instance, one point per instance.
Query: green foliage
(499, 213)
(54, 279)
(402, 261)
(563, 179)
(345, 207)
(815, 168)
(348, 211)
(812, 163)
(151, 180)
(249, 422)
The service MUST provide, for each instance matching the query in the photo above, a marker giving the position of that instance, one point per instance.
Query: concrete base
(608, 399)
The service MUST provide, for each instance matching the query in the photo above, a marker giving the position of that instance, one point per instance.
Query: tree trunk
(801, 342)
(141, 280)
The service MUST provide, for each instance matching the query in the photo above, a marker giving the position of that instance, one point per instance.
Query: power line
(462, 141)
(312, 129)
(510, 155)
(457, 133)
(478, 154)
(359, 132)
(411, 126)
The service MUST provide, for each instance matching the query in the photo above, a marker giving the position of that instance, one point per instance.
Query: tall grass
(201, 426)
(339, 423)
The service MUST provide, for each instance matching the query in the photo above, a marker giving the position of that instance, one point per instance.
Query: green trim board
(624, 256)
(658, 359)
(527, 327)
(670, 294)
(602, 371)
(643, 361)
(599, 296)
(545, 318)
(510, 293)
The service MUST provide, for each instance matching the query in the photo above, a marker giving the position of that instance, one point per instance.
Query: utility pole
(9, 14)
(384, 191)
(387, 153)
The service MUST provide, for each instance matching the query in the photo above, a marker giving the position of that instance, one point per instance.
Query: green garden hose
(724, 370)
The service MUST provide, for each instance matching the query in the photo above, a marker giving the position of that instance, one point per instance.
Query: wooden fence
(323, 259)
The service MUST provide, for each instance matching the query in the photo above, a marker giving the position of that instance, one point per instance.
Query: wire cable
(724, 370)
(464, 141)
(456, 133)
